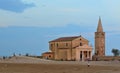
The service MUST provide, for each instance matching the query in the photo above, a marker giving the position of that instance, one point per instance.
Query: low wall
(105, 58)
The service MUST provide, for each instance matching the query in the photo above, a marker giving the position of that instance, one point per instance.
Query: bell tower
(100, 40)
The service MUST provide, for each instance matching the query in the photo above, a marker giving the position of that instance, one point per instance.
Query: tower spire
(99, 28)
(100, 40)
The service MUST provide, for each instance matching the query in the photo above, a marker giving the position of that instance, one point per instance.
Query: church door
(80, 57)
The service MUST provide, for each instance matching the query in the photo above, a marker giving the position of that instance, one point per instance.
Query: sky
(26, 26)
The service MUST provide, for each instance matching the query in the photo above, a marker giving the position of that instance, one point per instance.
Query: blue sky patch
(14, 5)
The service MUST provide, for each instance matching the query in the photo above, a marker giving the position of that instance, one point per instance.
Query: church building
(71, 48)
(77, 47)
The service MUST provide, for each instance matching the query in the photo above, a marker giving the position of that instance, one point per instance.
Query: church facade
(77, 47)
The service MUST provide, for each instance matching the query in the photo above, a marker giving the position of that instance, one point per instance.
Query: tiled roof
(48, 53)
(65, 39)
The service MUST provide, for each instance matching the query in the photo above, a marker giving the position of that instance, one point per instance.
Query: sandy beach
(35, 65)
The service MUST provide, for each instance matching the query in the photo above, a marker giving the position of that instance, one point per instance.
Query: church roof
(66, 38)
(99, 28)
(48, 53)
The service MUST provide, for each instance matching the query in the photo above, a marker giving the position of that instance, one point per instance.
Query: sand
(33, 65)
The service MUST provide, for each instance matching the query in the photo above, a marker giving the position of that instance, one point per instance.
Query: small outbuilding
(48, 55)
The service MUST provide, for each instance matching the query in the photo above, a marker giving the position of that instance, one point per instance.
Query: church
(76, 48)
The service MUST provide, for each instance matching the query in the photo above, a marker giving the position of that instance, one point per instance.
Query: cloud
(56, 13)
(17, 6)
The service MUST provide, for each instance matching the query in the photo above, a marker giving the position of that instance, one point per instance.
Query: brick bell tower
(100, 40)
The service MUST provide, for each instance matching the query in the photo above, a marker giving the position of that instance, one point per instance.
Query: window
(80, 44)
(51, 45)
(57, 44)
(66, 44)
(49, 56)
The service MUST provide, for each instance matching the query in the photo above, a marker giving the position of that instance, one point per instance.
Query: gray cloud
(15, 5)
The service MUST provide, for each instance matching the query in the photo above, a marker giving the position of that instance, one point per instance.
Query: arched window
(49, 55)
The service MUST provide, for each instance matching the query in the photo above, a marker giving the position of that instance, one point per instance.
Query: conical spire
(99, 28)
